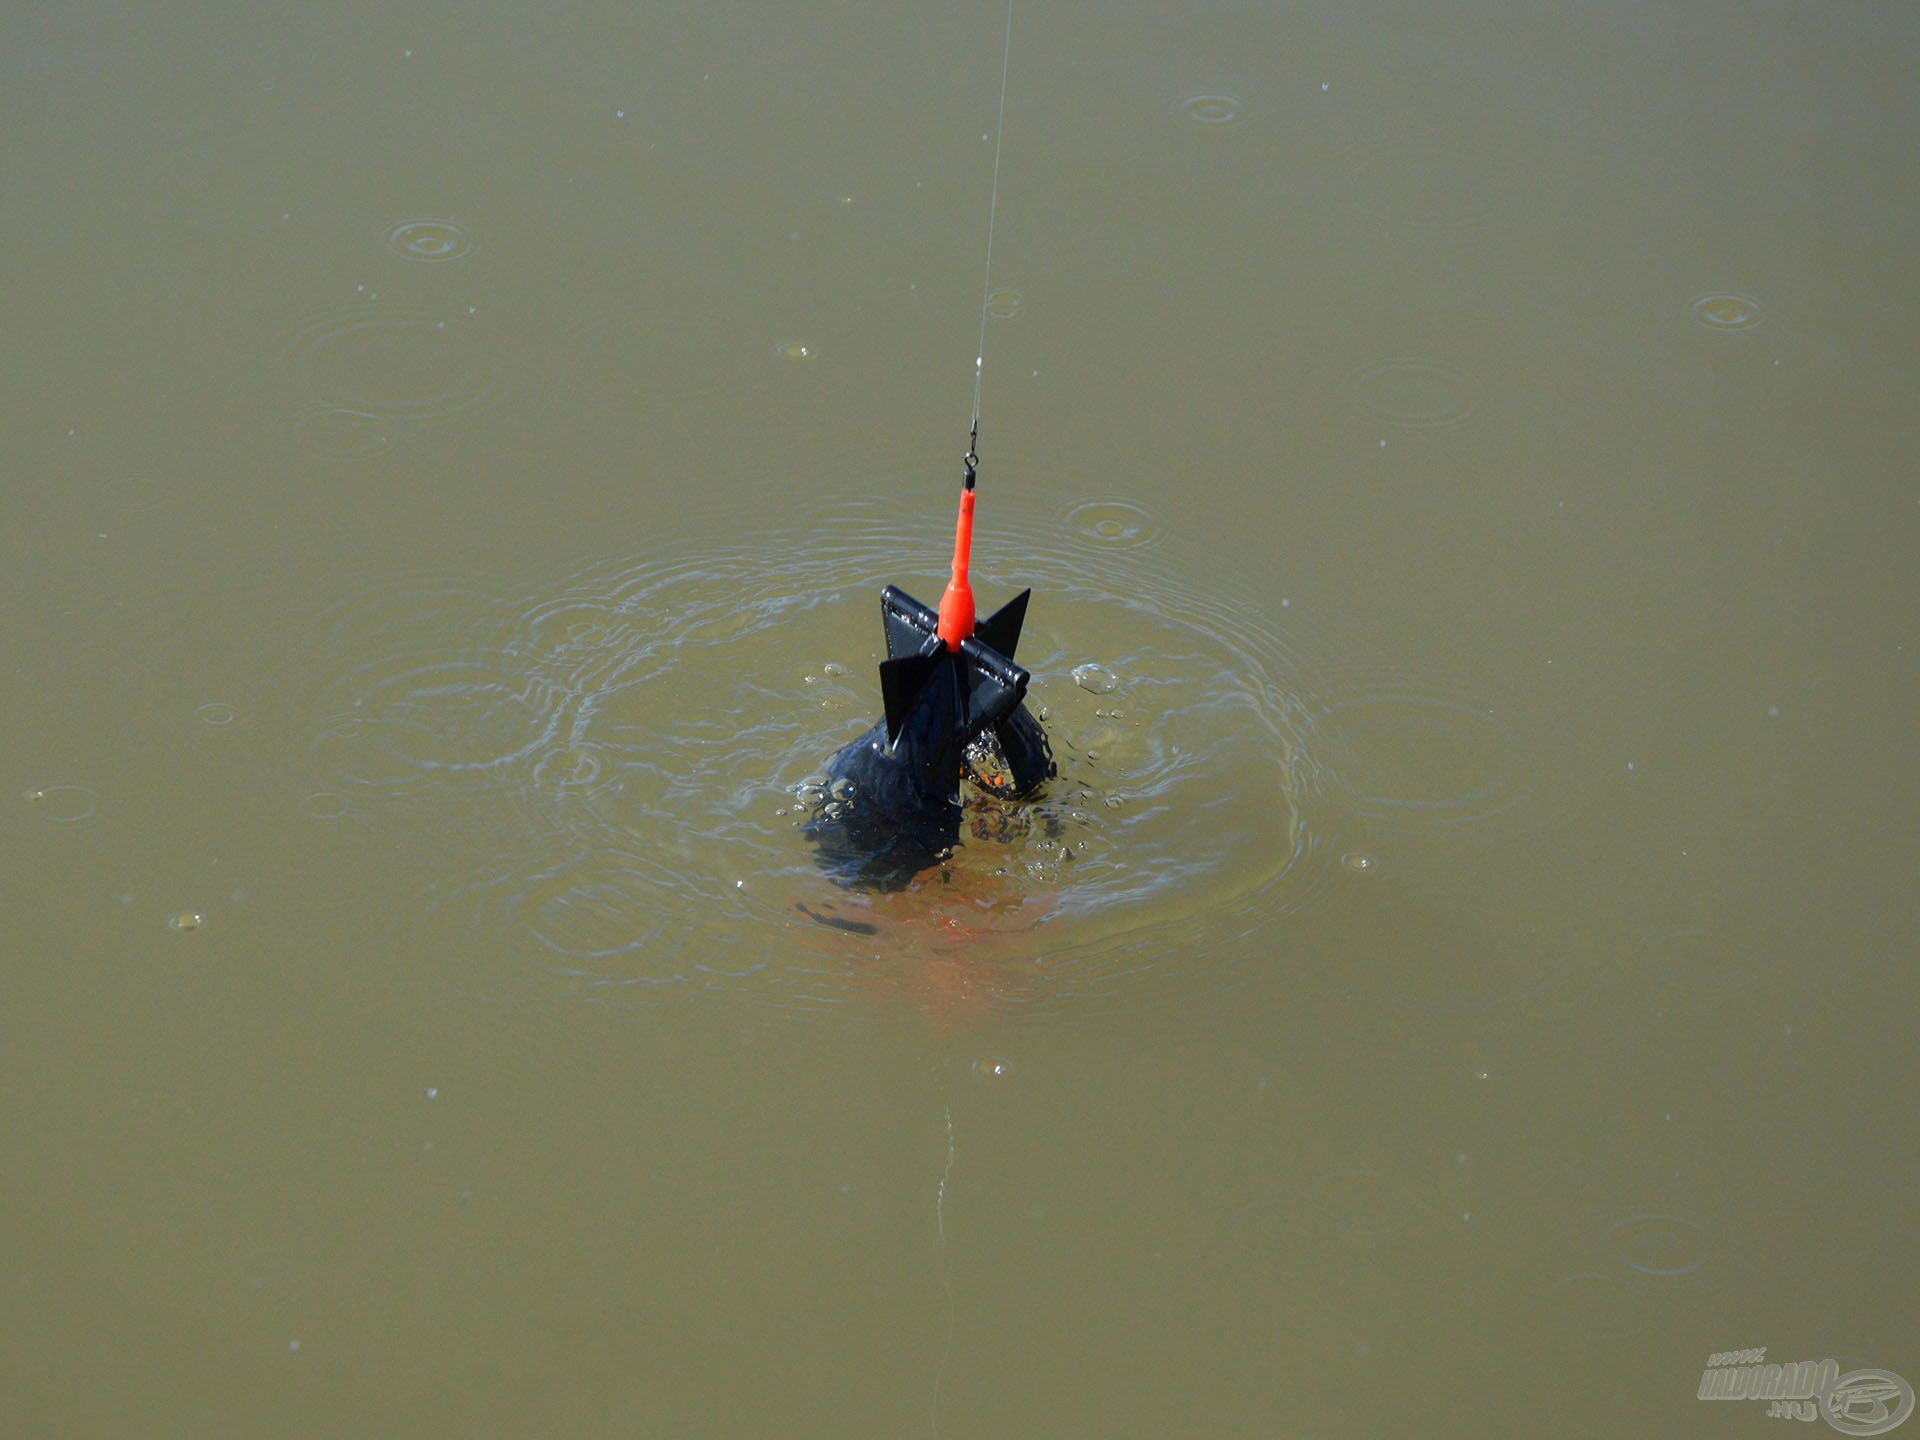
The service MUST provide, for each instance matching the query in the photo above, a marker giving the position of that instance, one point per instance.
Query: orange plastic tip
(956, 605)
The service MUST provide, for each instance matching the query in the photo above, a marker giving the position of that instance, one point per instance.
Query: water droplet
(428, 240)
(186, 920)
(1212, 109)
(794, 350)
(1727, 311)
(1359, 864)
(1096, 679)
(991, 1067)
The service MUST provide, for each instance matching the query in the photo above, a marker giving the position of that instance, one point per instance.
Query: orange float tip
(956, 605)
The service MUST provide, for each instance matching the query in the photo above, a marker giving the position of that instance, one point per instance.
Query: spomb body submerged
(893, 805)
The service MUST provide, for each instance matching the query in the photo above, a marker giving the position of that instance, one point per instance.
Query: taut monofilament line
(986, 286)
(956, 605)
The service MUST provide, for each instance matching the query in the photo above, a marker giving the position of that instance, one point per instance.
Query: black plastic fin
(994, 685)
(1001, 630)
(908, 623)
(901, 682)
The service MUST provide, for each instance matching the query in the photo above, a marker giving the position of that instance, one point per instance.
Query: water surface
(1459, 980)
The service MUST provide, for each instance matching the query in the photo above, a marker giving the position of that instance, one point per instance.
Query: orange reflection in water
(956, 946)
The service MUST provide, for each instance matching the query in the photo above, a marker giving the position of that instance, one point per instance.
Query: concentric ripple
(1104, 524)
(390, 365)
(1213, 109)
(1414, 394)
(1659, 1249)
(336, 433)
(64, 804)
(1727, 311)
(610, 766)
(1422, 758)
(429, 240)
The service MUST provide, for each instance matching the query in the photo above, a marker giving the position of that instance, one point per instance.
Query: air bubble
(1095, 679)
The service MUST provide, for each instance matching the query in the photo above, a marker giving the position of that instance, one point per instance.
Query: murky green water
(1462, 977)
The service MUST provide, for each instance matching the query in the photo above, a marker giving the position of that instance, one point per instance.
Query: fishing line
(986, 288)
(946, 1273)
